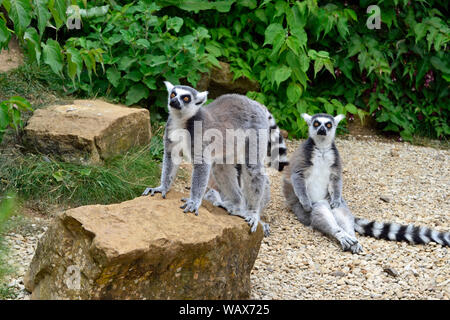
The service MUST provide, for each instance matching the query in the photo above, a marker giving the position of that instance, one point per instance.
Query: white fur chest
(318, 176)
(180, 140)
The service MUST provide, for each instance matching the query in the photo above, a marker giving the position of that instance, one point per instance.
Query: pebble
(338, 274)
(391, 272)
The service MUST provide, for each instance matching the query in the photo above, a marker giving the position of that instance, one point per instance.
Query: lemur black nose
(174, 103)
(322, 131)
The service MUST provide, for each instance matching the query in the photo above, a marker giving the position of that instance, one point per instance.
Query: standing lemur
(312, 186)
(242, 188)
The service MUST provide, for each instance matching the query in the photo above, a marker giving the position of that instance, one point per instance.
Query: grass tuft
(49, 181)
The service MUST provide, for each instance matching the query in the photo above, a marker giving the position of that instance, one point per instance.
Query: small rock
(338, 273)
(391, 271)
(284, 133)
(386, 198)
(394, 153)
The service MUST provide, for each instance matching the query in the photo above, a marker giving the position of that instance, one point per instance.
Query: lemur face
(322, 126)
(184, 98)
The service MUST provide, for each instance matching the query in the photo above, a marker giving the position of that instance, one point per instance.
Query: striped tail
(276, 148)
(396, 232)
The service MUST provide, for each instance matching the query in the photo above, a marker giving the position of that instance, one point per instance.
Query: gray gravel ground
(21, 244)
(296, 262)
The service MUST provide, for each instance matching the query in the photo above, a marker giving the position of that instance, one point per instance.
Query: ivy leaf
(4, 33)
(174, 23)
(136, 93)
(20, 13)
(43, 15)
(134, 75)
(213, 60)
(261, 15)
(351, 108)
(143, 43)
(74, 63)
(406, 135)
(53, 56)
(113, 76)
(20, 102)
(294, 92)
(440, 65)
(282, 74)
(4, 117)
(32, 41)
(248, 3)
(304, 62)
(329, 108)
(237, 27)
(318, 65)
(420, 29)
(351, 14)
(58, 9)
(213, 49)
(294, 44)
(274, 32)
(150, 83)
(329, 66)
(126, 62)
(422, 68)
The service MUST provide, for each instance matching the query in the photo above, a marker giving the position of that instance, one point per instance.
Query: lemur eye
(316, 124)
(329, 125)
(172, 94)
(186, 99)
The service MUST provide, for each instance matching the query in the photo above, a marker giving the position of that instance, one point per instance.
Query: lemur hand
(336, 203)
(152, 191)
(307, 206)
(191, 205)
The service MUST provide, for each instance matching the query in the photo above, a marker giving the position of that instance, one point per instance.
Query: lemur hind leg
(253, 187)
(264, 202)
(228, 194)
(346, 221)
(323, 220)
(303, 216)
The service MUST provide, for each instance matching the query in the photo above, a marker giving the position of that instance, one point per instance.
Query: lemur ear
(201, 98)
(338, 118)
(169, 86)
(307, 118)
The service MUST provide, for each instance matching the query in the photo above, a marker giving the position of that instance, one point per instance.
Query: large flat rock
(145, 248)
(87, 130)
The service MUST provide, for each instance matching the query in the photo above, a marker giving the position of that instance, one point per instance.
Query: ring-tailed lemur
(312, 186)
(242, 188)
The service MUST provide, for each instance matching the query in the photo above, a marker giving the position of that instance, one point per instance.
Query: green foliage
(307, 56)
(10, 114)
(7, 208)
(41, 178)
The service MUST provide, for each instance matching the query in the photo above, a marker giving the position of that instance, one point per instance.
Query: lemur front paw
(307, 207)
(252, 219)
(152, 191)
(335, 204)
(191, 205)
